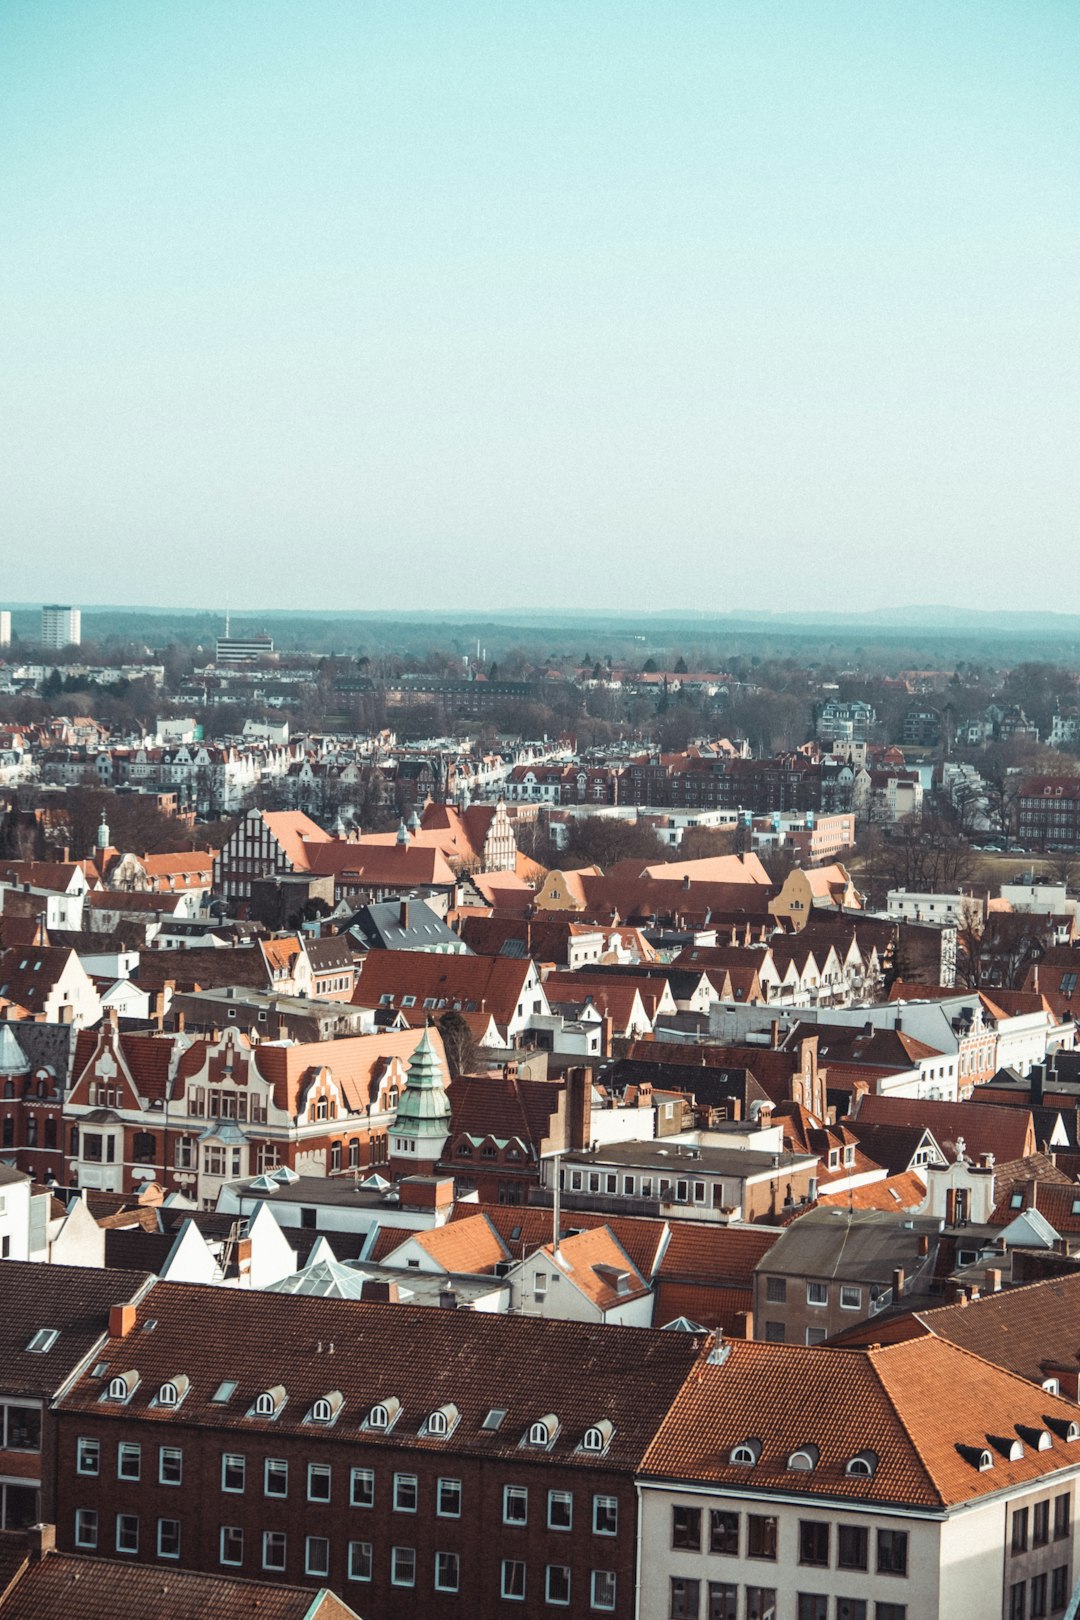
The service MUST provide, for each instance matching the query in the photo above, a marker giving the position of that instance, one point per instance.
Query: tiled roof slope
(1007, 1133)
(424, 1358)
(1030, 1331)
(65, 1585)
(887, 1399)
(73, 1299)
(524, 1230)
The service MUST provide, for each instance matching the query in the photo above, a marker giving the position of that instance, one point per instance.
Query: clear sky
(382, 303)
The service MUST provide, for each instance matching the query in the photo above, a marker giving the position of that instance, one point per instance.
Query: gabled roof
(596, 1263)
(507, 1107)
(491, 984)
(75, 1300)
(1007, 1133)
(470, 1245)
(887, 1400)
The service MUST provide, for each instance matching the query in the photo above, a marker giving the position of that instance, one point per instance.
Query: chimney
(579, 1107)
(898, 1282)
(924, 1243)
(1038, 1084)
(744, 1325)
(40, 1541)
(404, 914)
(993, 1280)
(121, 1321)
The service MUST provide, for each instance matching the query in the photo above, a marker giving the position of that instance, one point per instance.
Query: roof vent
(805, 1459)
(269, 1402)
(863, 1465)
(746, 1454)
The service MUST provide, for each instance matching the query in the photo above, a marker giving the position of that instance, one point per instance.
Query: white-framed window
(233, 1472)
(170, 1465)
(406, 1493)
(274, 1547)
(128, 1460)
(127, 1532)
(557, 1584)
(86, 1527)
(275, 1477)
(447, 1572)
(603, 1590)
(168, 1538)
(361, 1561)
(403, 1566)
(605, 1515)
(362, 1489)
(88, 1456)
(817, 1293)
(317, 1555)
(515, 1504)
(850, 1297)
(512, 1582)
(560, 1510)
(318, 1482)
(231, 1544)
(448, 1499)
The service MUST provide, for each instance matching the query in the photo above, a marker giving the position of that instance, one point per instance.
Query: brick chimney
(579, 1107)
(404, 914)
(121, 1321)
(40, 1541)
(993, 1280)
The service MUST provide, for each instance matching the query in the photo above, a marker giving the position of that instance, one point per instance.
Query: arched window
(168, 1395)
(804, 1461)
(266, 1404)
(321, 1412)
(862, 1466)
(538, 1434)
(436, 1423)
(746, 1454)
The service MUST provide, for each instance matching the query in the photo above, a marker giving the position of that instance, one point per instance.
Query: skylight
(224, 1391)
(43, 1340)
(494, 1419)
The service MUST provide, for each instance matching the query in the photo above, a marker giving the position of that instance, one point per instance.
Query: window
(602, 1589)
(852, 1546)
(512, 1579)
(685, 1598)
(890, 1611)
(560, 1510)
(127, 1533)
(723, 1601)
(447, 1572)
(233, 1472)
(1038, 1597)
(85, 1527)
(128, 1460)
(1040, 1523)
(170, 1465)
(317, 1555)
(1059, 1587)
(850, 1297)
(273, 1549)
(406, 1493)
(448, 1499)
(515, 1504)
(1062, 1516)
(892, 1552)
(817, 1293)
(23, 1428)
(724, 1532)
(88, 1457)
(1019, 1530)
(605, 1515)
(360, 1561)
(760, 1603)
(168, 1538)
(814, 1543)
(850, 1608)
(812, 1606)
(686, 1528)
(276, 1477)
(362, 1489)
(761, 1534)
(774, 1332)
(557, 1584)
(1018, 1601)
(231, 1550)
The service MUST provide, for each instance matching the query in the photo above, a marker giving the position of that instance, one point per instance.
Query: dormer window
(863, 1465)
(543, 1431)
(384, 1414)
(269, 1402)
(599, 1437)
(805, 1460)
(746, 1454)
(1052, 1386)
(1012, 1450)
(980, 1457)
(172, 1391)
(326, 1408)
(1064, 1428)
(441, 1422)
(123, 1386)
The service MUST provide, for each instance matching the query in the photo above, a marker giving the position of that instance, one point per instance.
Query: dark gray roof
(74, 1300)
(856, 1246)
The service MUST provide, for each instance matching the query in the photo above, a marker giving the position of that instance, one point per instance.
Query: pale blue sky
(734, 303)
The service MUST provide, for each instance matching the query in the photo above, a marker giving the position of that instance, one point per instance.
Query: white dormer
(173, 1390)
(269, 1402)
(598, 1437)
(327, 1407)
(544, 1431)
(123, 1386)
(442, 1422)
(384, 1414)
